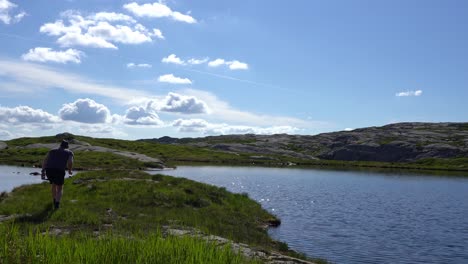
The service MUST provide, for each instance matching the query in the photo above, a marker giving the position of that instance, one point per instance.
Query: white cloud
(170, 78)
(184, 18)
(194, 61)
(348, 129)
(216, 63)
(138, 65)
(30, 76)
(73, 39)
(237, 65)
(157, 10)
(173, 59)
(138, 115)
(58, 28)
(200, 125)
(157, 33)
(233, 65)
(47, 54)
(221, 111)
(410, 93)
(111, 17)
(25, 114)
(5, 8)
(190, 125)
(85, 111)
(183, 104)
(119, 33)
(99, 30)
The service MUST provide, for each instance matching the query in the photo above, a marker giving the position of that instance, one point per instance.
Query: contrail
(234, 79)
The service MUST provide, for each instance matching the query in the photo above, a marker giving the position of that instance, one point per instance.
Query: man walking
(54, 166)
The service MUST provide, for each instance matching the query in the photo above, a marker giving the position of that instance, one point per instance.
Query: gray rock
(83, 146)
(401, 142)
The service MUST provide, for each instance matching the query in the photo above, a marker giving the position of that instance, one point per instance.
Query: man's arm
(44, 164)
(70, 164)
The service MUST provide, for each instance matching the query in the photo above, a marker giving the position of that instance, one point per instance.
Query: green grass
(83, 160)
(134, 203)
(140, 201)
(171, 155)
(457, 165)
(444, 164)
(36, 247)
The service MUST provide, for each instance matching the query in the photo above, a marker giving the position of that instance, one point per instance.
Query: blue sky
(141, 69)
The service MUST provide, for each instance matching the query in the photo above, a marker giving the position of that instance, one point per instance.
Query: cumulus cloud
(176, 60)
(173, 59)
(157, 33)
(138, 65)
(216, 63)
(170, 78)
(74, 39)
(177, 103)
(111, 17)
(158, 10)
(237, 65)
(190, 125)
(41, 54)
(232, 65)
(25, 114)
(194, 61)
(99, 30)
(410, 93)
(202, 126)
(85, 111)
(138, 115)
(5, 16)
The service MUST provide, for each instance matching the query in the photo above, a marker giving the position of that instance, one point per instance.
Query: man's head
(64, 144)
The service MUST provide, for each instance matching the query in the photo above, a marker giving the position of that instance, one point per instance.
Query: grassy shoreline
(131, 204)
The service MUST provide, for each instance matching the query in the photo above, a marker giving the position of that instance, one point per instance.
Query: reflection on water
(356, 217)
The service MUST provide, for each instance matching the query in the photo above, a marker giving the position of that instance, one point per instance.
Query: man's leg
(54, 191)
(58, 193)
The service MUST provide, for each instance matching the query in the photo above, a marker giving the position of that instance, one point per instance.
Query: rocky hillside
(401, 142)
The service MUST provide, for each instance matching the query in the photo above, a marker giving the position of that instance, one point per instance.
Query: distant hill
(400, 142)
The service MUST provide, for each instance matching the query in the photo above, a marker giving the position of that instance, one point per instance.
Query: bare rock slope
(399, 142)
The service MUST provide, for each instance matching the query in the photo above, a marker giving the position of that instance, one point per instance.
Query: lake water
(12, 176)
(356, 217)
(343, 216)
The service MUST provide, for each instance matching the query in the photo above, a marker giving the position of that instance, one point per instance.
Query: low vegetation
(121, 213)
(35, 247)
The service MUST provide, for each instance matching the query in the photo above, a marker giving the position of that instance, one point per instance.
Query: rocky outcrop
(264, 256)
(401, 142)
(3, 145)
